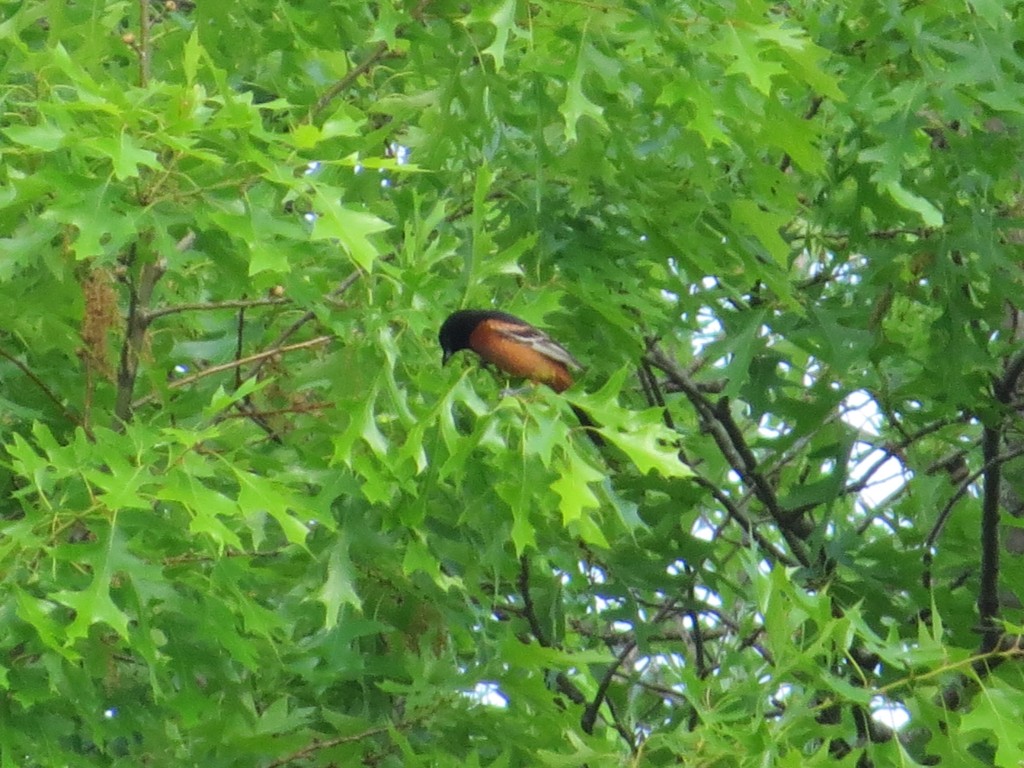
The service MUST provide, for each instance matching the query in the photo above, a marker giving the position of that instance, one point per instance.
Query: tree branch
(718, 421)
(42, 386)
(528, 608)
(207, 306)
(379, 52)
(961, 491)
(179, 383)
(140, 293)
(590, 713)
(320, 744)
(246, 360)
(1006, 384)
(145, 43)
(988, 591)
(740, 518)
(565, 685)
(288, 332)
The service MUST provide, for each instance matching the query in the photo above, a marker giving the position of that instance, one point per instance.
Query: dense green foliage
(248, 518)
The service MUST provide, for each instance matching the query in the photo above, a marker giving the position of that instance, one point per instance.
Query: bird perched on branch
(514, 346)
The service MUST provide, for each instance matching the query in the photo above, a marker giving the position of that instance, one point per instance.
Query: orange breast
(518, 359)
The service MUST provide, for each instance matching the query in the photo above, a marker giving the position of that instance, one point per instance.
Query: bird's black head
(456, 330)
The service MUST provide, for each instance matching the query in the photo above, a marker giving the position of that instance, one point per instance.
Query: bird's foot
(515, 391)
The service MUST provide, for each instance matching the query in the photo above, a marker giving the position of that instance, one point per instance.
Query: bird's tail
(589, 425)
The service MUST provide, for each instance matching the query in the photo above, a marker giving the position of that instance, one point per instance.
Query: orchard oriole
(515, 347)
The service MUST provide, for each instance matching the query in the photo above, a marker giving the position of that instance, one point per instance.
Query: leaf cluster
(249, 519)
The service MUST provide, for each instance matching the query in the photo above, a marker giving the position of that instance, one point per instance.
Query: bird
(514, 346)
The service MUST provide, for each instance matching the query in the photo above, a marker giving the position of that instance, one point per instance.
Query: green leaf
(765, 226)
(205, 505)
(190, 56)
(128, 156)
(743, 46)
(95, 212)
(576, 104)
(256, 494)
(652, 448)
(517, 495)
(503, 19)
(351, 228)
(998, 712)
(931, 215)
(708, 117)
(483, 243)
(339, 587)
(38, 614)
(44, 136)
(93, 605)
(573, 486)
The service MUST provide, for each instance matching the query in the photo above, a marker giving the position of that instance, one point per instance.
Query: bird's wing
(529, 336)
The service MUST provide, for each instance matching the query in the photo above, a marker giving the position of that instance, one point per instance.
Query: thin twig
(213, 369)
(717, 420)
(144, 43)
(140, 293)
(590, 713)
(739, 517)
(350, 77)
(988, 590)
(315, 342)
(379, 52)
(528, 609)
(961, 491)
(320, 744)
(653, 393)
(288, 332)
(239, 344)
(41, 384)
(197, 558)
(565, 685)
(295, 409)
(153, 314)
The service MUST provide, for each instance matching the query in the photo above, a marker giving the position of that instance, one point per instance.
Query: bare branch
(145, 43)
(590, 713)
(961, 491)
(717, 420)
(42, 386)
(288, 332)
(1006, 385)
(210, 306)
(213, 369)
(565, 685)
(379, 52)
(134, 338)
(988, 591)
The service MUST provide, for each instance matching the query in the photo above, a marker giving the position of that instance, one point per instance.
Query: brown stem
(988, 590)
(717, 419)
(234, 364)
(288, 332)
(144, 43)
(41, 384)
(134, 338)
(153, 314)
